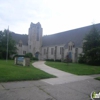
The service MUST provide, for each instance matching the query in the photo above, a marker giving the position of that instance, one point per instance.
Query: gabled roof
(18, 37)
(75, 35)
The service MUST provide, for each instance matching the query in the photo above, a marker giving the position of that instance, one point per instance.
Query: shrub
(57, 60)
(34, 58)
(49, 59)
(81, 58)
(0, 55)
(29, 55)
(18, 56)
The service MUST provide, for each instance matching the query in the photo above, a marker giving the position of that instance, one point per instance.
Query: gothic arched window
(20, 43)
(37, 33)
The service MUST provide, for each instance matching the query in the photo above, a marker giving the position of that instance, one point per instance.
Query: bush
(0, 55)
(18, 56)
(29, 55)
(81, 58)
(57, 60)
(34, 58)
(49, 59)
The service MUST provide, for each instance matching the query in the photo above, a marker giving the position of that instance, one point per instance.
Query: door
(70, 56)
(37, 54)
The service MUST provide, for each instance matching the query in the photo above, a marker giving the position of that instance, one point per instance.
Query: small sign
(20, 60)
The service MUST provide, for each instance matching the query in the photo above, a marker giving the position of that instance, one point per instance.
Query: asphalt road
(39, 90)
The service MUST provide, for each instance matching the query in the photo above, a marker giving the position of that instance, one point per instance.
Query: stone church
(56, 46)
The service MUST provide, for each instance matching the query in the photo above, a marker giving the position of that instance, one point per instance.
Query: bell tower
(35, 39)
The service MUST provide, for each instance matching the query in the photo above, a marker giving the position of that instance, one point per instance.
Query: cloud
(54, 15)
(20, 12)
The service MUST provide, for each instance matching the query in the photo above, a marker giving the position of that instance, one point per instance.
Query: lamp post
(7, 44)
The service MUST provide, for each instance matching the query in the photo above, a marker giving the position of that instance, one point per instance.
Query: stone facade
(35, 40)
(56, 46)
(61, 53)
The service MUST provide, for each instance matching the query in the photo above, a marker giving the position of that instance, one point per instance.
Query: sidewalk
(62, 77)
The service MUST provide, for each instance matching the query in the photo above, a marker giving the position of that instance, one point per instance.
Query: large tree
(3, 44)
(91, 47)
(92, 40)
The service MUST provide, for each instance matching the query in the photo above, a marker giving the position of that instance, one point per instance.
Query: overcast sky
(54, 15)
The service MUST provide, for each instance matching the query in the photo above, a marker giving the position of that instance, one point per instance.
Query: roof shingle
(18, 37)
(75, 35)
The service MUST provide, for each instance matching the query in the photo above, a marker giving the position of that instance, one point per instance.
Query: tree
(3, 44)
(91, 48)
(1, 36)
(92, 40)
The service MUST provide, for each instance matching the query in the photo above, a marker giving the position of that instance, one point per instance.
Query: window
(37, 34)
(60, 50)
(24, 52)
(76, 50)
(69, 47)
(44, 51)
(55, 49)
(34, 50)
(47, 50)
(52, 51)
(20, 44)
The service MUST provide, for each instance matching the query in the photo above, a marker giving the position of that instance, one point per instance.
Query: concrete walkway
(62, 77)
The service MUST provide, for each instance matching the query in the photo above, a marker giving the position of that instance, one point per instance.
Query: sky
(54, 15)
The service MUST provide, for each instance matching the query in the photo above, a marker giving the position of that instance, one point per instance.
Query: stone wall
(35, 39)
(49, 55)
(58, 55)
(21, 49)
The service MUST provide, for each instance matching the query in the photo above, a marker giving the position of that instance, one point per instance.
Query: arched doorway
(37, 54)
(70, 56)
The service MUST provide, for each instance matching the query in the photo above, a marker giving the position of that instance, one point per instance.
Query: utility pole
(7, 44)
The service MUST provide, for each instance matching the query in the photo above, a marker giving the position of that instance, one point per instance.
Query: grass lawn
(75, 68)
(11, 72)
(98, 78)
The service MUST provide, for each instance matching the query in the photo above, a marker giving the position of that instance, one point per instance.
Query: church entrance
(37, 54)
(70, 56)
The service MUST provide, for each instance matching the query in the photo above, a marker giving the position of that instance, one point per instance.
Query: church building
(56, 46)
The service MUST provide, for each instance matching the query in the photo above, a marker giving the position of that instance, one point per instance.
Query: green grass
(11, 72)
(75, 68)
(98, 78)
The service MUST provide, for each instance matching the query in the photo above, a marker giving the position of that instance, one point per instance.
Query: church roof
(75, 35)
(18, 37)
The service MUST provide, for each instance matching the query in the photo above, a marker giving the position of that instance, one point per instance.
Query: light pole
(7, 44)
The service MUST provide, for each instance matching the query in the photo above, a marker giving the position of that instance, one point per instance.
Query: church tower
(35, 39)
